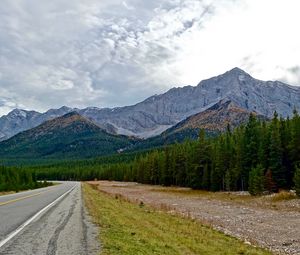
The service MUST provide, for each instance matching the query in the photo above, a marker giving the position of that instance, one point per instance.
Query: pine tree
(238, 182)
(275, 157)
(263, 150)
(206, 177)
(296, 132)
(166, 173)
(217, 172)
(269, 182)
(294, 147)
(285, 137)
(256, 180)
(201, 164)
(179, 170)
(251, 141)
(297, 181)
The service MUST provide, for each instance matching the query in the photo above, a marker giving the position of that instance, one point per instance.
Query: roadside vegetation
(16, 179)
(128, 229)
(6, 193)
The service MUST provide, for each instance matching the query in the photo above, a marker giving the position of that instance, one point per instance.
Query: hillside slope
(214, 120)
(69, 136)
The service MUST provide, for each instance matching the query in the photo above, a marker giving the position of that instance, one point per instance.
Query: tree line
(260, 156)
(16, 179)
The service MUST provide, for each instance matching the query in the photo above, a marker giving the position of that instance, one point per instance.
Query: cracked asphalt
(65, 228)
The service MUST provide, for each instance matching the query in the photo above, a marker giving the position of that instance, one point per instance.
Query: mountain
(19, 120)
(214, 120)
(160, 112)
(69, 136)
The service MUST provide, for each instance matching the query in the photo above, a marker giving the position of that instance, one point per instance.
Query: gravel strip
(275, 229)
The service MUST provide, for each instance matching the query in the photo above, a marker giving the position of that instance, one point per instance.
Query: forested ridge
(259, 156)
(69, 136)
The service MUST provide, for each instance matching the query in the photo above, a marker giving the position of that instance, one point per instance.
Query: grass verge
(128, 229)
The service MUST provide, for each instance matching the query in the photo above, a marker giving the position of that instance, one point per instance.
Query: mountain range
(173, 116)
(160, 112)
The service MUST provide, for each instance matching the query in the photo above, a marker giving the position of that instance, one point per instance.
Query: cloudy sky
(117, 52)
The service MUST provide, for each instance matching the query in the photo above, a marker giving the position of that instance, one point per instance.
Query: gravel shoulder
(272, 225)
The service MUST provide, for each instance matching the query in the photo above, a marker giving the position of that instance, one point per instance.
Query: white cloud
(259, 36)
(111, 53)
(127, 6)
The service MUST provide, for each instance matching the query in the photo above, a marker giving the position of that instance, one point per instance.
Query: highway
(46, 221)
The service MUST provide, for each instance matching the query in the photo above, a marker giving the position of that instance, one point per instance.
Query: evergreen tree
(275, 157)
(269, 182)
(216, 178)
(201, 164)
(256, 181)
(263, 150)
(285, 138)
(166, 173)
(297, 181)
(294, 147)
(251, 141)
(179, 169)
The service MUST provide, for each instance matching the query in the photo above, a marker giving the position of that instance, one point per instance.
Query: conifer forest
(260, 156)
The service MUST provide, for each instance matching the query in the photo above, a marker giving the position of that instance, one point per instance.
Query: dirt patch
(259, 221)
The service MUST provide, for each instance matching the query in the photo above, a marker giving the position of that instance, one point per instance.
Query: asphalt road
(47, 221)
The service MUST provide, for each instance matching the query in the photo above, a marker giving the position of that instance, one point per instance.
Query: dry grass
(273, 201)
(281, 196)
(7, 193)
(223, 196)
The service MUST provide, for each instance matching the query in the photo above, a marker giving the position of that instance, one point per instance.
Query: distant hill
(69, 136)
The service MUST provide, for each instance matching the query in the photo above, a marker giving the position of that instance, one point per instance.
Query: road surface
(46, 221)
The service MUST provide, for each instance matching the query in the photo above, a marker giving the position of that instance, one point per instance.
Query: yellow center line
(20, 198)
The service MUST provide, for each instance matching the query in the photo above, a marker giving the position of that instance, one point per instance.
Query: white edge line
(19, 229)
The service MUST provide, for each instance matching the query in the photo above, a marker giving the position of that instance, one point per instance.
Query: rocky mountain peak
(237, 71)
(71, 115)
(17, 112)
(66, 120)
(65, 108)
(60, 111)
